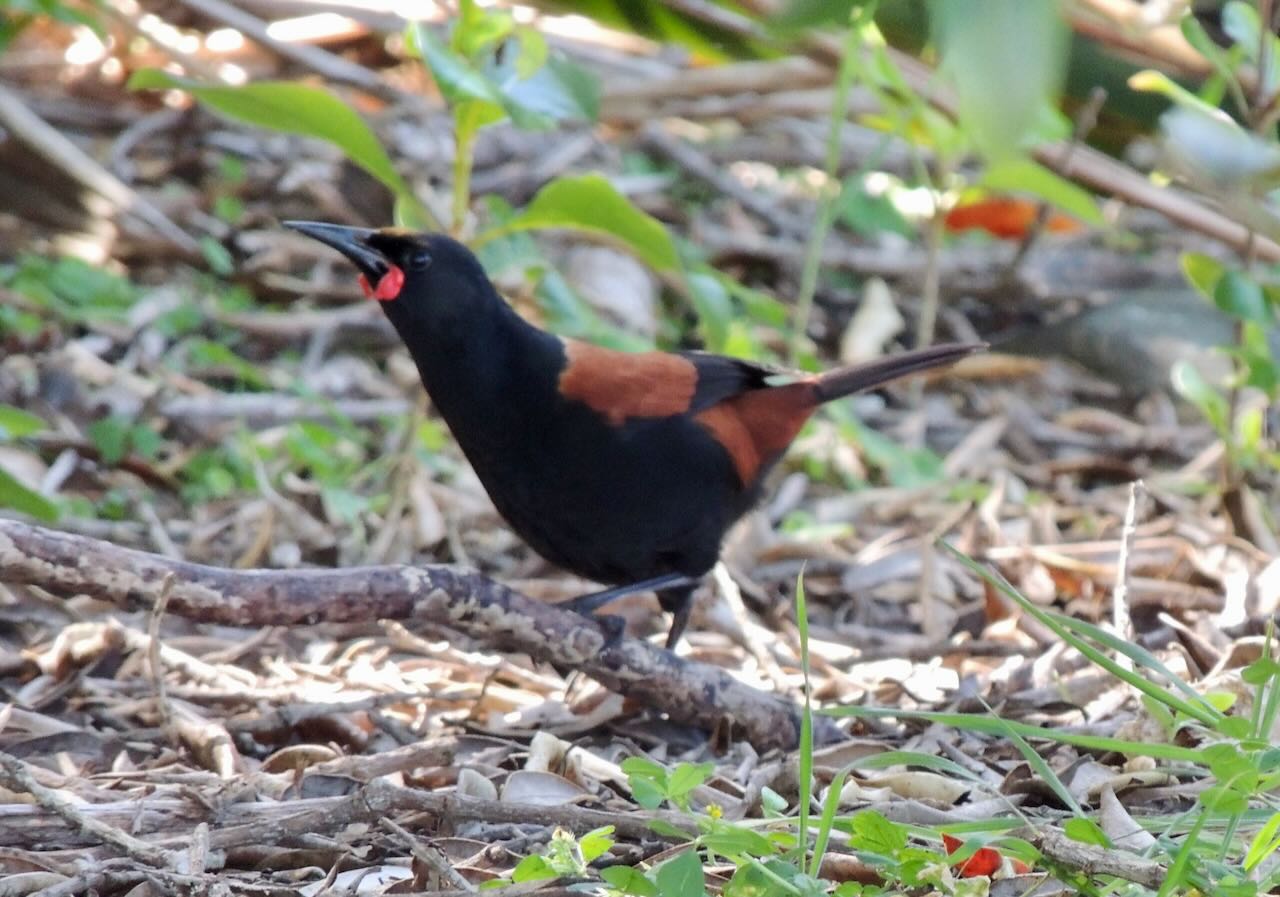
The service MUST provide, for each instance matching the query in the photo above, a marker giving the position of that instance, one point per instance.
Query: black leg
(585, 604)
(678, 601)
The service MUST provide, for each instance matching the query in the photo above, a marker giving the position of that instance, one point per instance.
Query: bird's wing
(721, 378)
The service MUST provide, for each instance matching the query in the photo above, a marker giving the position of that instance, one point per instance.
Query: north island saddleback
(624, 468)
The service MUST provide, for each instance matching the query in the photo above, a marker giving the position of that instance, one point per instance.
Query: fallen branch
(283, 822)
(459, 599)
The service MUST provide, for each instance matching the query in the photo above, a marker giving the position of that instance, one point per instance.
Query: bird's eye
(420, 260)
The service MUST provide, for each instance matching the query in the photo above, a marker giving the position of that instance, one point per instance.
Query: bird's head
(424, 281)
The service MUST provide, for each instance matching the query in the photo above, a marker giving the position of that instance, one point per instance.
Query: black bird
(625, 468)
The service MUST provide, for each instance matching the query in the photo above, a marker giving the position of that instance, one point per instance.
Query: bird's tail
(855, 378)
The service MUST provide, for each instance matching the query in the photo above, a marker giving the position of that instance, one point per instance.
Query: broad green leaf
(1085, 831)
(558, 90)
(872, 832)
(732, 841)
(1025, 176)
(1006, 65)
(681, 876)
(533, 89)
(687, 776)
(1202, 271)
(629, 881)
(1241, 297)
(454, 75)
(15, 423)
(590, 204)
(533, 868)
(294, 109)
(595, 843)
(18, 497)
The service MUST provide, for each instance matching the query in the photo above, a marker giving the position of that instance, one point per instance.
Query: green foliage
(564, 857)
(295, 108)
(1255, 306)
(590, 204)
(1236, 761)
(1006, 66)
(117, 436)
(492, 69)
(15, 424)
(651, 784)
(69, 288)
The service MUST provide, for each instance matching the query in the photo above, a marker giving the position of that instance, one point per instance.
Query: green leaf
(110, 437)
(687, 776)
(453, 73)
(1217, 150)
(1240, 22)
(668, 830)
(18, 497)
(478, 28)
(735, 841)
(681, 876)
(629, 881)
(1202, 271)
(1086, 831)
(533, 868)
(1025, 176)
(977, 722)
(869, 213)
(558, 91)
(595, 843)
(590, 204)
(648, 781)
(1151, 81)
(16, 423)
(1242, 298)
(217, 256)
(1264, 843)
(872, 832)
(294, 109)
(1002, 83)
(1189, 383)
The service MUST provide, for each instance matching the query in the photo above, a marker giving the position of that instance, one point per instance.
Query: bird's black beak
(353, 242)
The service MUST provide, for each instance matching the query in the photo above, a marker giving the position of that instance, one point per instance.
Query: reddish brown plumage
(756, 427)
(622, 385)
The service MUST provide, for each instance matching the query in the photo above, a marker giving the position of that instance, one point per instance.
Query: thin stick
(155, 661)
(1120, 617)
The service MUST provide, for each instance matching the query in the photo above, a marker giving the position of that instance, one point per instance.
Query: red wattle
(388, 288)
